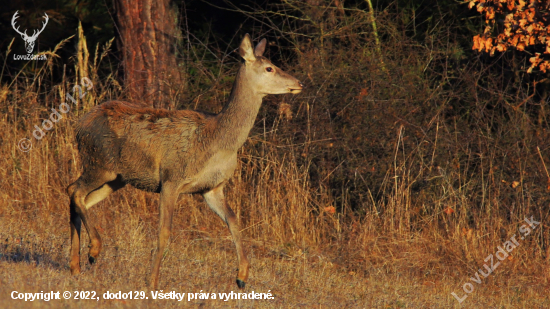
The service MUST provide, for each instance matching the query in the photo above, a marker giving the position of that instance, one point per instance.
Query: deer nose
(301, 85)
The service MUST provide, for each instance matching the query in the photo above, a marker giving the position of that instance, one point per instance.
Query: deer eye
(269, 69)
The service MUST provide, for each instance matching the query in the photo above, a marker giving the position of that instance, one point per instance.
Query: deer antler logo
(29, 40)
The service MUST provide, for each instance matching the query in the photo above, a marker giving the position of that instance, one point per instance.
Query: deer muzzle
(296, 89)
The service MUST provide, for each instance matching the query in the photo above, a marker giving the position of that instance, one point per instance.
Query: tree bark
(148, 35)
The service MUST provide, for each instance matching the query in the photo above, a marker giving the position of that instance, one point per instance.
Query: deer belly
(148, 184)
(217, 170)
(146, 179)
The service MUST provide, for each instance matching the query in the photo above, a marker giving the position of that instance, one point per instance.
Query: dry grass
(402, 274)
(365, 191)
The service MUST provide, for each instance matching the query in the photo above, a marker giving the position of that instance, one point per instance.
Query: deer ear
(260, 48)
(245, 50)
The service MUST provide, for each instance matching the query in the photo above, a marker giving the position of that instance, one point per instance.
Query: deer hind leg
(83, 195)
(168, 198)
(216, 201)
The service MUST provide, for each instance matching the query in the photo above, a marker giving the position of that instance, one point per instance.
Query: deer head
(29, 40)
(263, 76)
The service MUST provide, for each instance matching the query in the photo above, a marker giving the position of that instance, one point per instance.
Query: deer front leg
(216, 201)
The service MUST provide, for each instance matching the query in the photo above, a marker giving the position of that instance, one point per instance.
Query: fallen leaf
(362, 93)
(448, 210)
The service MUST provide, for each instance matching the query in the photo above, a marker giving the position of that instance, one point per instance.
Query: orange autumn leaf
(362, 93)
(476, 43)
(522, 22)
(535, 60)
(488, 44)
(480, 8)
(525, 25)
(490, 13)
(330, 209)
(531, 15)
(448, 210)
(515, 39)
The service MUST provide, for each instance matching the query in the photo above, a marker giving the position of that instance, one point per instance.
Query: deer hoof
(240, 284)
(91, 259)
(75, 271)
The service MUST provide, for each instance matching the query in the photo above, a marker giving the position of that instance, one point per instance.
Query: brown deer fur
(170, 152)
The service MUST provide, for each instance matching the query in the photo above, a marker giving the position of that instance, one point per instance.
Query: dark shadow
(33, 253)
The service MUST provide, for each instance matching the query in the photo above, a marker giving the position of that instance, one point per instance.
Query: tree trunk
(148, 31)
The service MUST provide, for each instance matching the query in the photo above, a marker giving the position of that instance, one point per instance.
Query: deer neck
(239, 114)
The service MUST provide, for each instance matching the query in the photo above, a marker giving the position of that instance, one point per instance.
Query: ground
(35, 258)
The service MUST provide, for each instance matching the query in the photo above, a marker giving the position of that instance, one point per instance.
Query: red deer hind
(170, 152)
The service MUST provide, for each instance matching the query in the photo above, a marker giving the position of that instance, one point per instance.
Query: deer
(170, 152)
(29, 40)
